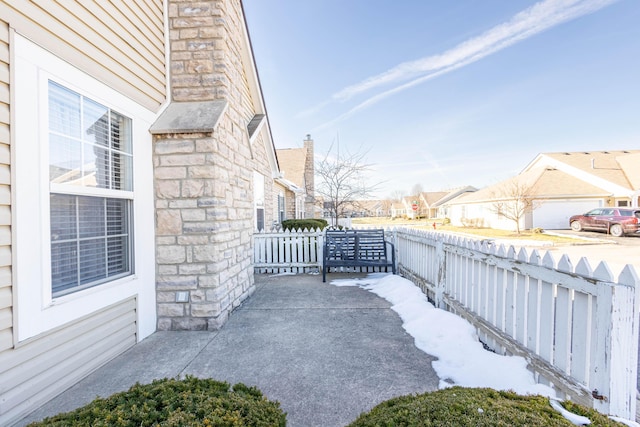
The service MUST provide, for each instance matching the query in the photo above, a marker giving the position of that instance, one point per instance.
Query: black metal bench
(357, 248)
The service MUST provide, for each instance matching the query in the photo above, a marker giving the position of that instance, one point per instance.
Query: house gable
(297, 166)
(576, 181)
(292, 164)
(599, 168)
(630, 164)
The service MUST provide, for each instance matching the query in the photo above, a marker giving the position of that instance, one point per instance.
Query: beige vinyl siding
(121, 42)
(6, 298)
(44, 366)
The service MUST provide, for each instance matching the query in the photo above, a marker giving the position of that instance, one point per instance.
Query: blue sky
(449, 93)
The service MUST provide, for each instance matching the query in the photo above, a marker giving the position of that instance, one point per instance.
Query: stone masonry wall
(204, 181)
(203, 231)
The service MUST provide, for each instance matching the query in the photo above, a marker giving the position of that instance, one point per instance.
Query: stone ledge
(190, 117)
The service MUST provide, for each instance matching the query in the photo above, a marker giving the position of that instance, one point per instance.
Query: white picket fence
(576, 327)
(287, 251)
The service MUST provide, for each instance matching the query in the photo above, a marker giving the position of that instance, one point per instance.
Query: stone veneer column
(309, 179)
(203, 171)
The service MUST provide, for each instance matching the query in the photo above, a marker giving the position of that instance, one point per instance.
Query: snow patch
(462, 360)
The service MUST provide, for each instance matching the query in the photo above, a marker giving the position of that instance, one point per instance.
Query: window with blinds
(91, 181)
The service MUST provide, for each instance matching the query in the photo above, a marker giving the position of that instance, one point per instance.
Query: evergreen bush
(477, 407)
(172, 403)
(308, 223)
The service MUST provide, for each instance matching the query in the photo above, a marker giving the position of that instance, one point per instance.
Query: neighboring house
(428, 203)
(559, 185)
(403, 208)
(126, 208)
(442, 204)
(297, 167)
(372, 208)
(368, 208)
(409, 202)
(397, 209)
(290, 200)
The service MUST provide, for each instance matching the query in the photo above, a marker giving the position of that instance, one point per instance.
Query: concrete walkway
(326, 353)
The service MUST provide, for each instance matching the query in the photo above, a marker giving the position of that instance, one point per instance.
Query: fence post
(394, 237)
(614, 380)
(320, 237)
(441, 282)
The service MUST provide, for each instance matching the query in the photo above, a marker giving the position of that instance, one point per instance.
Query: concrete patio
(326, 353)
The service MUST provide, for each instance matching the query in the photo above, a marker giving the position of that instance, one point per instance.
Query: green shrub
(446, 221)
(458, 406)
(308, 223)
(173, 403)
(537, 230)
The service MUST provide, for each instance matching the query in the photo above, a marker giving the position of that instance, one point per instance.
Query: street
(615, 251)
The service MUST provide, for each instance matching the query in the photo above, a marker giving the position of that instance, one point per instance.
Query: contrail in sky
(531, 21)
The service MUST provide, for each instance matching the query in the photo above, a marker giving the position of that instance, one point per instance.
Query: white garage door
(555, 215)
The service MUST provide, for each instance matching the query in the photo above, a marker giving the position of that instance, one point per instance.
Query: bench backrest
(355, 244)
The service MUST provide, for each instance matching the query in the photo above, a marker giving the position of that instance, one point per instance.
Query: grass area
(458, 406)
(490, 233)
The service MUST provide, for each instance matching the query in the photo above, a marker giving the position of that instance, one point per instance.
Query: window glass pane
(64, 111)
(63, 217)
(98, 159)
(117, 218)
(96, 122)
(92, 260)
(260, 219)
(118, 255)
(81, 253)
(65, 159)
(91, 213)
(121, 160)
(122, 165)
(64, 267)
(89, 144)
(121, 133)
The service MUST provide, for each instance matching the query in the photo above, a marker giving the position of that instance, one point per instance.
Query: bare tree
(343, 179)
(417, 189)
(397, 195)
(513, 200)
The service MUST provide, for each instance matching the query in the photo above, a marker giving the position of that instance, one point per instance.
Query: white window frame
(37, 310)
(66, 189)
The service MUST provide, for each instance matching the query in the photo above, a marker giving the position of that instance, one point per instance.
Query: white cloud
(531, 21)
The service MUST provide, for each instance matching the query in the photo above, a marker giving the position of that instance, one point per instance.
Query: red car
(616, 221)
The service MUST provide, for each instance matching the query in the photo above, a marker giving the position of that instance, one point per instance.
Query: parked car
(616, 221)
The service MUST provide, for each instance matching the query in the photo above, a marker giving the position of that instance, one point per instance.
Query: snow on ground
(461, 358)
